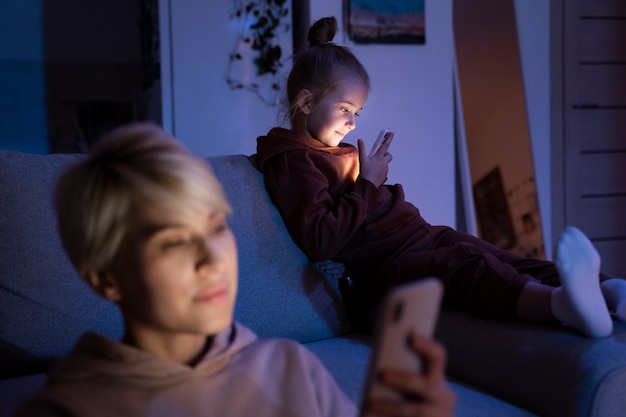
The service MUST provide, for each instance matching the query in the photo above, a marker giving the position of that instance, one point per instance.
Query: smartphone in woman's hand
(411, 308)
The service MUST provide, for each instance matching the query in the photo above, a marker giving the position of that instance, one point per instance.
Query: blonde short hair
(100, 198)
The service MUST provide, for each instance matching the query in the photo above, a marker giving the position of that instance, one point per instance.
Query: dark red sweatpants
(477, 275)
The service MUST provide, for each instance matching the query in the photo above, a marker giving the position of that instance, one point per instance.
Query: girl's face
(334, 116)
(178, 281)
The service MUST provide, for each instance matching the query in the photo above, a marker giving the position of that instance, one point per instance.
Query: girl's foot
(614, 291)
(579, 301)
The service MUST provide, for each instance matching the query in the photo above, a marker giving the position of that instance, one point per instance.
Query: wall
(93, 69)
(22, 105)
(411, 93)
(60, 58)
(202, 111)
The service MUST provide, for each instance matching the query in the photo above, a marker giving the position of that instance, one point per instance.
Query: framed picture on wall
(382, 21)
(492, 211)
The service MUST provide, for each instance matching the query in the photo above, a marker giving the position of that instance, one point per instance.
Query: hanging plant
(259, 24)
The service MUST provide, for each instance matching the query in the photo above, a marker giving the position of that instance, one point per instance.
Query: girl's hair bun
(320, 69)
(323, 31)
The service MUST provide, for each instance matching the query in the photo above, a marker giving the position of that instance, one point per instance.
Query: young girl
(145, 224)
(336, 206)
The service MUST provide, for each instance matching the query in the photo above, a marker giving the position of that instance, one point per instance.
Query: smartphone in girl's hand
(385, 135)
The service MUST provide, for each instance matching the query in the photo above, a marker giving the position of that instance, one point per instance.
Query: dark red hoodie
(329, 210)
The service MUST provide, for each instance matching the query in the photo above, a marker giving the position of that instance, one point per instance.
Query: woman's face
(334, 116)
(179, 279)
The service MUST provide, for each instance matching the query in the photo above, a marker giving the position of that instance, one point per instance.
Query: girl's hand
(376, 168)
(426, 394)
(333, 269)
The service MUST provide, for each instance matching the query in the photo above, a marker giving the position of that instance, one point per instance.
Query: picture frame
(492, 210)
(385, 22)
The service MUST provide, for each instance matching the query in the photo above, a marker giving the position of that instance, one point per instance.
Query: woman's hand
(333, 269)
(375, 168)
(426, 394)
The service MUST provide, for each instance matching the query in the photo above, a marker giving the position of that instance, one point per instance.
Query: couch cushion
(347, 359)
(280, 292)
(44, 305)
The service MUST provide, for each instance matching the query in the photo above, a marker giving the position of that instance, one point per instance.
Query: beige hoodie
(239, 376)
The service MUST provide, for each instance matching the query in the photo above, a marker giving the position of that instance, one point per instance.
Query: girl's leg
(541, 270)
(613, 289)
(579, 301)
(535, 303)
(490, 281)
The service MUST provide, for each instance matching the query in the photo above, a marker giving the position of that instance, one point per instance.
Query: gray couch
(497, 368)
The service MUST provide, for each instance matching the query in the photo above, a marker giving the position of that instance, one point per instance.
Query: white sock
(579, 301)
(614, 291)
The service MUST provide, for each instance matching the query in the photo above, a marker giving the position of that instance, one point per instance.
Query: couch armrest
(548, 369)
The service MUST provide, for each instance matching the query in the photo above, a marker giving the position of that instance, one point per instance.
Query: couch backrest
(280, 292)
(45, 306)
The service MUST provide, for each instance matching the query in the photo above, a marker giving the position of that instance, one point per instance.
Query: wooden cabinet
(589, 124)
